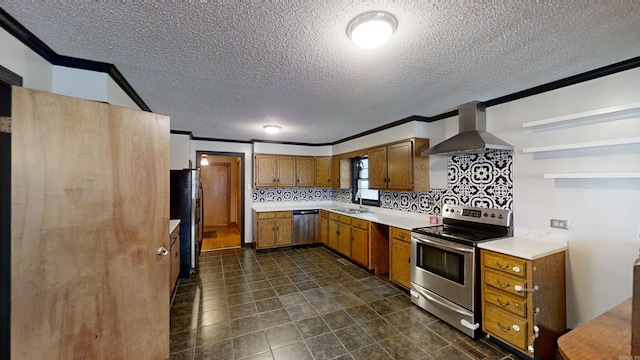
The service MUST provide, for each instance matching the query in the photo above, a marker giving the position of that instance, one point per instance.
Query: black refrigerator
(187, 206)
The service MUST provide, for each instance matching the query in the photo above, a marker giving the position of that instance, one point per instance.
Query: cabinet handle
(505, 267)
(408, 260)
(500, 284)
(501, 303)
(338, 232)
(504, 329)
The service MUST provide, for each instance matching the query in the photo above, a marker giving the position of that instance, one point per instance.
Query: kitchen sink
(350, 211)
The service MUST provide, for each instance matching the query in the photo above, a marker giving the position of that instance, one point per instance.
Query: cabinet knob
(162, 251)
(516, 269)
(408, 260)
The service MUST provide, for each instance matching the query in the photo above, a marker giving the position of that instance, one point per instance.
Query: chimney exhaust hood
(472, 137)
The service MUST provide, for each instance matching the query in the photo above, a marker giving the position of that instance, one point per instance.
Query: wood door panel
(305, 171)
(400, 166)
(401, 262)
(89, 208)
(286, 171)
(284, 231)
(215, 188)
(360, 246)
(266, 233)
(335, 171)
(344, 239)
(377, 168)
(323, 171)
(334, 237)
(265, 170)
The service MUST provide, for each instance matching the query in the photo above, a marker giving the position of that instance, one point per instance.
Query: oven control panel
(480, 215)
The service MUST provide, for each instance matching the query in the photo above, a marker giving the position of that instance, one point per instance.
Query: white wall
(39, 74)
(603, 214)
(300, 150)
(180, 149)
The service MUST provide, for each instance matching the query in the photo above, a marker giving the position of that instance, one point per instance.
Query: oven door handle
(418, 292)
(441, 245)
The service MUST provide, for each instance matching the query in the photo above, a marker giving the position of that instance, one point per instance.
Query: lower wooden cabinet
(323, 228)
(523, 301)
(174, 253)
(360, 245)
(275, 229)
(344, 239)
(400, 256)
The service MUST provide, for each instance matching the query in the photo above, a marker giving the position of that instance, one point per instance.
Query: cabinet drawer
(505, 282)
(334, 216)
(345, 219)
(284, 214)
(362, 224)
(266, 215)
(400, 234)
(504, 301)
(508, 264)
(506, 327)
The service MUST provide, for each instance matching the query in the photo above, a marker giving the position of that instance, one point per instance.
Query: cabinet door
(323, 171)
(378, 168)
(360, 246)
(284, 233)
(305, 171)
(400, 271)
(265, 171)
(324, 229)
(334, 239)
(286, 171)
(400, 166)
(344, 239)
(266, 233)
(335, 171)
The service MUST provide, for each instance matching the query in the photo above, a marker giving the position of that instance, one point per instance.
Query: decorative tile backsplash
(482, 180)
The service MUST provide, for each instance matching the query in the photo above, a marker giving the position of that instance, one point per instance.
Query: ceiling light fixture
(204, 161)
(371, 29)
(272, 129)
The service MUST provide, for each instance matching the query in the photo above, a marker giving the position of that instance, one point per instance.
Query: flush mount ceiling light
(204, 161)
(272, 129)
(371, 29)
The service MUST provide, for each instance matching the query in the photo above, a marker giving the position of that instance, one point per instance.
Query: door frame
(7, 79)
(241, 180)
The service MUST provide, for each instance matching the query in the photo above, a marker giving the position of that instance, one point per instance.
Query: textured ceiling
(222, 69)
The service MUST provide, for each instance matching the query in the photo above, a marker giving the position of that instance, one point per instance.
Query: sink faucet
(359, 196)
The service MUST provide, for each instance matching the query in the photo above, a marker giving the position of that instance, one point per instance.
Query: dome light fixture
(204, 161)
(371, 29)
(272, 129)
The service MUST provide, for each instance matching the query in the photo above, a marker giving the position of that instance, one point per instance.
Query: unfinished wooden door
(89, 212)
(215, 188)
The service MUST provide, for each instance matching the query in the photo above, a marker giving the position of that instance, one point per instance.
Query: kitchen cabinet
(274, 170)
(174, 253)
(305, 171)
(340, 172)
(323, 229)
(400, 257)
(334, 232)
(323, 171)
(274, 229)
(523, 301)
(344, 235)
(399, 166)
(360, 242)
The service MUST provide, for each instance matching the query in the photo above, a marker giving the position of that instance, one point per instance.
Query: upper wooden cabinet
(340, 172)
(399, 166)
(323, 171)
(274, 170)
(305, 171)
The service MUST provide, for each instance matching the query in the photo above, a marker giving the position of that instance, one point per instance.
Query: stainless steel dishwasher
(305, 227)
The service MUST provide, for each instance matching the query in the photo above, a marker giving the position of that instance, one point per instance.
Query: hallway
(304, 304)
(221, 237)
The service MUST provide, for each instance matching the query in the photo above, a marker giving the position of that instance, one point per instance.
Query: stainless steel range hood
(472, 137)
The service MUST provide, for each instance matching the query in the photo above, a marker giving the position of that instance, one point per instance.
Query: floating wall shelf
(617, 175)
(620, 110)
(591, 144)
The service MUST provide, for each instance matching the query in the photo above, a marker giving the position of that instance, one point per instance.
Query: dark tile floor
(302, 303)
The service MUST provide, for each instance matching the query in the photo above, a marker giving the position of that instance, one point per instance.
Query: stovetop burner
(470, 225)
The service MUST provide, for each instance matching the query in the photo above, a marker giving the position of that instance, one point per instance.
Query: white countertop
(400, 219)
(172, 225)
(524, 248)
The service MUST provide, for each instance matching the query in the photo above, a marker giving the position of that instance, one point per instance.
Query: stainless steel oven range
(445, 263)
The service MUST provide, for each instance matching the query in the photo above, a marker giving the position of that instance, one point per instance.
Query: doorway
(223, 198)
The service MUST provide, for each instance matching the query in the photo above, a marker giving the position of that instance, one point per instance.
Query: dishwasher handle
(305, 212)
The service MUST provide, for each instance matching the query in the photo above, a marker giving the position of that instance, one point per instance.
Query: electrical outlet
(560, 224)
